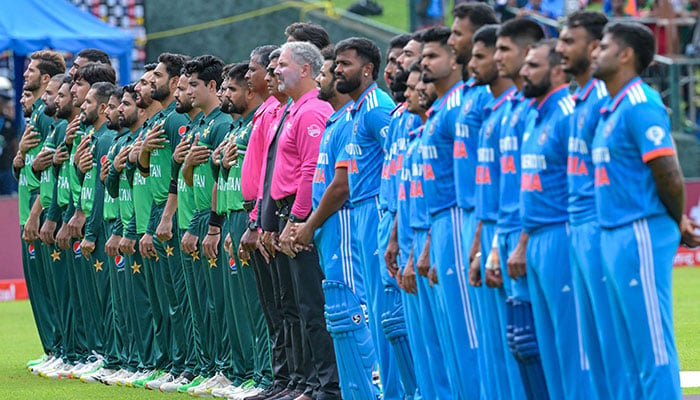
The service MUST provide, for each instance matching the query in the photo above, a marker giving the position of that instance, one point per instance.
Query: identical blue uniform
(504, 376)
(544, 215)
(438, 143)
(443, 373)
(339, 256)
(634, 130)
(364, 155)
(590, 287)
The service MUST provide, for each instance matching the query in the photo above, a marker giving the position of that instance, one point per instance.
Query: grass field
(19, 342)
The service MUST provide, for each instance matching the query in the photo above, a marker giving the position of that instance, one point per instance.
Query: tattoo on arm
(669, 183)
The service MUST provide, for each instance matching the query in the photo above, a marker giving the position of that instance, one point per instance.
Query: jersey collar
(506, 95)
(364, 95)
(618, 99)
(341, 111)
(439, 103)
(551, 100)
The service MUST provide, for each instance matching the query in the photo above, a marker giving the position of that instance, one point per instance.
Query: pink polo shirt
(297, 151)
(268, 135)
(253, 160)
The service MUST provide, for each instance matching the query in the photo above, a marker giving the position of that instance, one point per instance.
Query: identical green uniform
(193, 268)
(92, 204)
(132, 285)
(172, 286)
(33, 262)
(251, 324)
(211, 129)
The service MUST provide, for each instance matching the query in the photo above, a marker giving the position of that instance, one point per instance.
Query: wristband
(172, 189)
(216, 219)
(252, 225)
(143, 169)
(295, 219)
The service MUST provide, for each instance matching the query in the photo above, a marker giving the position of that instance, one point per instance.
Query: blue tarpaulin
(30, 25)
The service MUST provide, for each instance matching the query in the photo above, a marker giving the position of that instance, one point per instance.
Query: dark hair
(554, 57)
(102, 91)
(274, 54)
(399, 41)
(173, 63)
(207, 67)
(95, 72)
(263, 54)
(365, 49)
(118, 92)
(237, 72)
(486, 35)
(49, 62)
(58, 77)
(130, 89)
(95, 55)
(308, 32)
(328, 53)
(67, 79)
(592, 21)
(438, 34)
(479, 14)
(522, 31)
(637, 37)
(149, 67)
(224, 71)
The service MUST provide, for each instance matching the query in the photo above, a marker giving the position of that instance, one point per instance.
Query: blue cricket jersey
(335, 137)
(589, 100)
(543, 188)
(634, 129)
(365, 152)
(516, 111)
(417, 205)
(488, 168)
(438, 140)
(466, 141)
(387, 188)
(403, 209)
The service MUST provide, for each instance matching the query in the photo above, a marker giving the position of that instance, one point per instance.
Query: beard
(183, 108)
(579, 67)
(488, 79)
(128, 120)
(398, 84)
(142, 102)
(89, 118)
(64, 112)
(113, 125)
(50, 109)
(348, 85)
(238, 108)
(161, 93)
(32, 86)
(531, 90)
(326, 93)
(226, 106)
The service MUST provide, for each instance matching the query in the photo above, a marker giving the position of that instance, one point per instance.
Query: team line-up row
(282, 228)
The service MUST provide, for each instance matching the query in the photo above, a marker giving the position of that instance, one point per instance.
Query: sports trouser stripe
(583, 357)
(346, 247)
(456, 216)
(651, 299)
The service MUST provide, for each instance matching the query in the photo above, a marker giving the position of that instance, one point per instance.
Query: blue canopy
(30, 25)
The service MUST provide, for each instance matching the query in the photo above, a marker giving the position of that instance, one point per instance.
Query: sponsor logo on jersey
(31, 250)
(313, 130)
(655, 134)
(232, 264)
(119, 260)
(467, 106)
(76, 248)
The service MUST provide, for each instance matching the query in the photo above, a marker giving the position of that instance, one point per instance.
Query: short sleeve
(650, 129)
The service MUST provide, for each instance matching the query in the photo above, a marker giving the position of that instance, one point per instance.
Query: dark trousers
(317, 346)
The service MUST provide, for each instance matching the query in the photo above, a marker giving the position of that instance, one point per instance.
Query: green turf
(395, 12)
(19, 342)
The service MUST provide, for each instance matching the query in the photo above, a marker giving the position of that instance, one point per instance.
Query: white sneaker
(47, 366)
(129, 381)
(251, 391)
(34, 369)
(156, 383)
(59, 372)
(219, 382)
(225, 392)
(51, 368)
(116, 378)
(171, 387)
(205, 383)
(96, 376)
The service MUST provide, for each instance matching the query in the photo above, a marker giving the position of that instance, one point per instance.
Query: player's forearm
(669, 185)
(144, 163)
(333, 199)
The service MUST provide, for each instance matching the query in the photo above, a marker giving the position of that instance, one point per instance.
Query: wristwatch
(252, 225)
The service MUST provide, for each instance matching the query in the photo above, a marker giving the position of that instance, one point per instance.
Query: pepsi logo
(119, 260)
(76, 248)
(103, 160)
(232, 264)
(181, 131)
(31, 249)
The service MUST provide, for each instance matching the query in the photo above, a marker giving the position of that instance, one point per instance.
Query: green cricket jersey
(92, 191)
(241, 135)
(27, 181)
(111, 207)
(143, 198)
(57, 135)
(175, 126)
(212, 129)
(185, 194)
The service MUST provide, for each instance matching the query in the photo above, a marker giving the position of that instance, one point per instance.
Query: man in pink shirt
(292, 177)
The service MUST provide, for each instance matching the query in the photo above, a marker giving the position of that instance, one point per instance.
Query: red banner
(686, 257)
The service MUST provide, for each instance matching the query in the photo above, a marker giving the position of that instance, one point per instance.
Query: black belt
(249, 205)
(285, 202)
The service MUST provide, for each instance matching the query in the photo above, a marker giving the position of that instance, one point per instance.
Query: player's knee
(344, 311)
